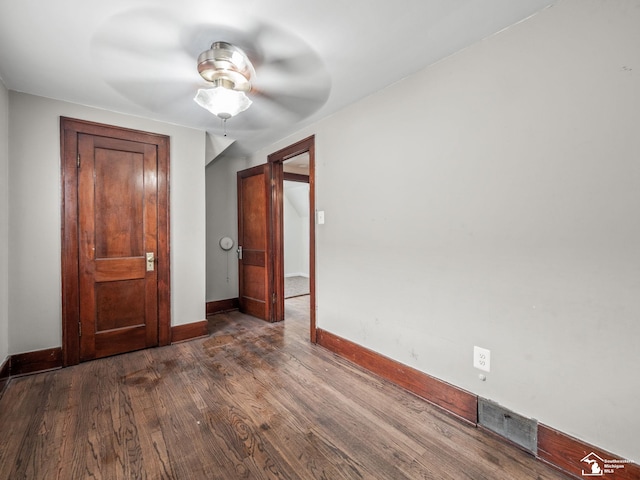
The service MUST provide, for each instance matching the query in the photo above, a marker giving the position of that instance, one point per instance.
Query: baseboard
(454, 400)
(34, 362)
(555, 448)
(219, 306)
(189, 331)
(567, 454)
(289, 275)
(5, 374)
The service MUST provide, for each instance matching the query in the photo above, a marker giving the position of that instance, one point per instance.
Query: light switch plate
(320, 217)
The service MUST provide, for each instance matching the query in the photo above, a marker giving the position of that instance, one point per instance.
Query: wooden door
(118, 223)
(255, 244)
(115, 241)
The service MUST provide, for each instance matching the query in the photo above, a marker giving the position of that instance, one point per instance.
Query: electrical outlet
(482, 359)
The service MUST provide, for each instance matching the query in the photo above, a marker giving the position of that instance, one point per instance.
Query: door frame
(277, 160)
(69, 130)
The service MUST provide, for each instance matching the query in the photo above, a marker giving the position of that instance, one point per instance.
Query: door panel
(117, 217)
(119, 212)
(254, 207)
(254, 286)
(119, 305)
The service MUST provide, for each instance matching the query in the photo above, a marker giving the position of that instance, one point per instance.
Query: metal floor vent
(520, 430)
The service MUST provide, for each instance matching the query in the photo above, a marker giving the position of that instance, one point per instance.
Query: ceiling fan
(230, 73)
(159, 59)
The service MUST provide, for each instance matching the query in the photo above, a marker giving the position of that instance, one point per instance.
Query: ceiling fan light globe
(222, 102)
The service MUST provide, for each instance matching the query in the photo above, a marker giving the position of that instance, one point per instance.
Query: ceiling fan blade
(291, 79)
(158, 97)
(138, 54)
(292, 106)
(140, 42)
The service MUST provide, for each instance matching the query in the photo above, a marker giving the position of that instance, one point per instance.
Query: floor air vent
(520, 430)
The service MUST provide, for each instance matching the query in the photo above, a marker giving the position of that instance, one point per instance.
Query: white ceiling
(312, 58)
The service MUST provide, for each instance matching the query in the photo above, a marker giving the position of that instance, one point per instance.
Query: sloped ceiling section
(298, 195)
(216, 145)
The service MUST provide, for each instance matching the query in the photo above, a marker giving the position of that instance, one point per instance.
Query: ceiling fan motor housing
(226, 65)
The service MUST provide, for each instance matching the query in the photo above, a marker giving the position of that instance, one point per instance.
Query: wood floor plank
(152, 440)
(20, 433)
(252, 400)
(50, 431)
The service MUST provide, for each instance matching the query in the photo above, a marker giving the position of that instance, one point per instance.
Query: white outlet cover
(482, 358)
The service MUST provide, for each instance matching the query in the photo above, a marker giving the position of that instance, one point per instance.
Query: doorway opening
(296, 214)
(293, 170)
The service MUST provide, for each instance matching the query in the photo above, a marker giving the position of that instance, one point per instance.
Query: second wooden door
(257, 295)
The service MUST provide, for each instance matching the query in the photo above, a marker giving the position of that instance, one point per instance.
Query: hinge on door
(273, 298)
(78, 161)
(79, 329)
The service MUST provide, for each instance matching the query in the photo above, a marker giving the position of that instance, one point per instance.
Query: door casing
(70, 129)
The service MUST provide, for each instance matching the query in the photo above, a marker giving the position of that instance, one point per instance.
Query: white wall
(34, 225)
(4, 222)
(296, 228)
(492, 200)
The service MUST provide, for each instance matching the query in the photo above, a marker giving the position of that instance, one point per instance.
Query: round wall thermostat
(226, 243)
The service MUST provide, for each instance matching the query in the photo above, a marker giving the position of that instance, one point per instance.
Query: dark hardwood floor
(253, 400)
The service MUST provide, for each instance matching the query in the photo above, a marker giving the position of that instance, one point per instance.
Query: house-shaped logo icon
(594, 466)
